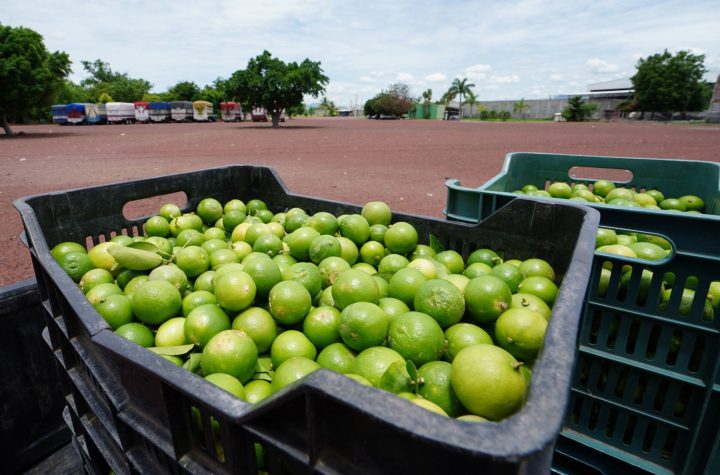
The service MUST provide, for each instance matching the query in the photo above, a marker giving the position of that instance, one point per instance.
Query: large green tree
(30, 75)
(274, 85)
(670, 83)
(120, 86)
(396, 101)
(184, 91)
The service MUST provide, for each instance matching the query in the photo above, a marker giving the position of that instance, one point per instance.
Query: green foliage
(296, 110)
(120, 86)
(396, 101)
(30, 76)
(105, 98)
(427, 97)
(670, 83)
(327, 108)
(184, 91)
(275, 85)
(471, 100)
(578, 110)
(520, 107)
(504, 115)
(70, 92)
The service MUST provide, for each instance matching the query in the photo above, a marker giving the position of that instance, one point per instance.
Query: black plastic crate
(326, 423)
(31, 424)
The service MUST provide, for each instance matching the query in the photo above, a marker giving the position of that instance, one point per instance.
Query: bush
(578, 110)
(484, 115)
(504, 115)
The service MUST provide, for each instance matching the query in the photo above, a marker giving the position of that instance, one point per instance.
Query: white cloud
(556, 77)
(405, 77)
(435, 77)
(509, 79)
(366, 79)
(598, 65)
(477, 72)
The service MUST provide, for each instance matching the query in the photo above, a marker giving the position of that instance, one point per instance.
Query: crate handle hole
(617, 175)
(138, 209)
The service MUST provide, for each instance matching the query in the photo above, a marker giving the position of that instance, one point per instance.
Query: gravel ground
(404, 163)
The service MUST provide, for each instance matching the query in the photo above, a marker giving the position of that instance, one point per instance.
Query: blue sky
(508, 49)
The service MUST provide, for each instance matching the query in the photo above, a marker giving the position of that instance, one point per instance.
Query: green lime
(234, 290)
(95, 277)
(486, 298)
(116, 310)
(436, 387)
(323, 247)
(259, 325)
(372, 363)
(377, 212)
(231, 352)
(322, 326)
(541, 287)
(289, 302)
(537, 267)
(324, 223)
(76, 264)
(488, 382)
(405, 283)
(292, 370)
(393, 307)
(356, 228)
(363, 325)
(204, 322)
(330, 268)
(401, 238)
(171, 333)
(228, 383)
(508, 273)
(210, 210)
(137, 333)
(291, 343)
(533, 302)
(156, 301)
(257, 390)
(265, 273)
(451, 260)
(462, 335)
(485, 256)
(337, 357)
(352, 286)
(521, 332)
(416, 337)
(441, 300)
(64, 247)
(307, 274)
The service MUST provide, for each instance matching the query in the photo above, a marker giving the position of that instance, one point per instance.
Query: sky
(508, 49)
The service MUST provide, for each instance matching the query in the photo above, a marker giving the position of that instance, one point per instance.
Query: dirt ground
(404, 163)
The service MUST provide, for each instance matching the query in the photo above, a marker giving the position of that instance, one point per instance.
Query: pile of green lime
(605, 191)
(650, 247)
(255, 300)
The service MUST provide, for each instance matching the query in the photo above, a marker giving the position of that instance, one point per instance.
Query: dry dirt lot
(404, 163)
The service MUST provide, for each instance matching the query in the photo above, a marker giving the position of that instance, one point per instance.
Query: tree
(670, 83)
(520, 107)
(396, 101)
(184, 91)
(578, 110)
(427, 97)
(105, 98)
(328, 108)
(30, 75)
(275, 85)
(471, 101)
(120, 86)
(459, 87)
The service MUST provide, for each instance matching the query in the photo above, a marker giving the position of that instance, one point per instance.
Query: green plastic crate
(646, 383)
(674, 178)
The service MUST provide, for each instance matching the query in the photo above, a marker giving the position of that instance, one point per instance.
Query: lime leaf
(396, 378)
(263, 365)
(172, 350)
(193, 362)
(411, 369)
(436, 245)
(145, 246)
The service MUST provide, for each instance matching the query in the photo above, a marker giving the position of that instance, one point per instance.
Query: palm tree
(520, 107)
(459, 87)
(471, 100)
(427, 97)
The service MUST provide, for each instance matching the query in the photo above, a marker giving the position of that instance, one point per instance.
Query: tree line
(32, 78)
